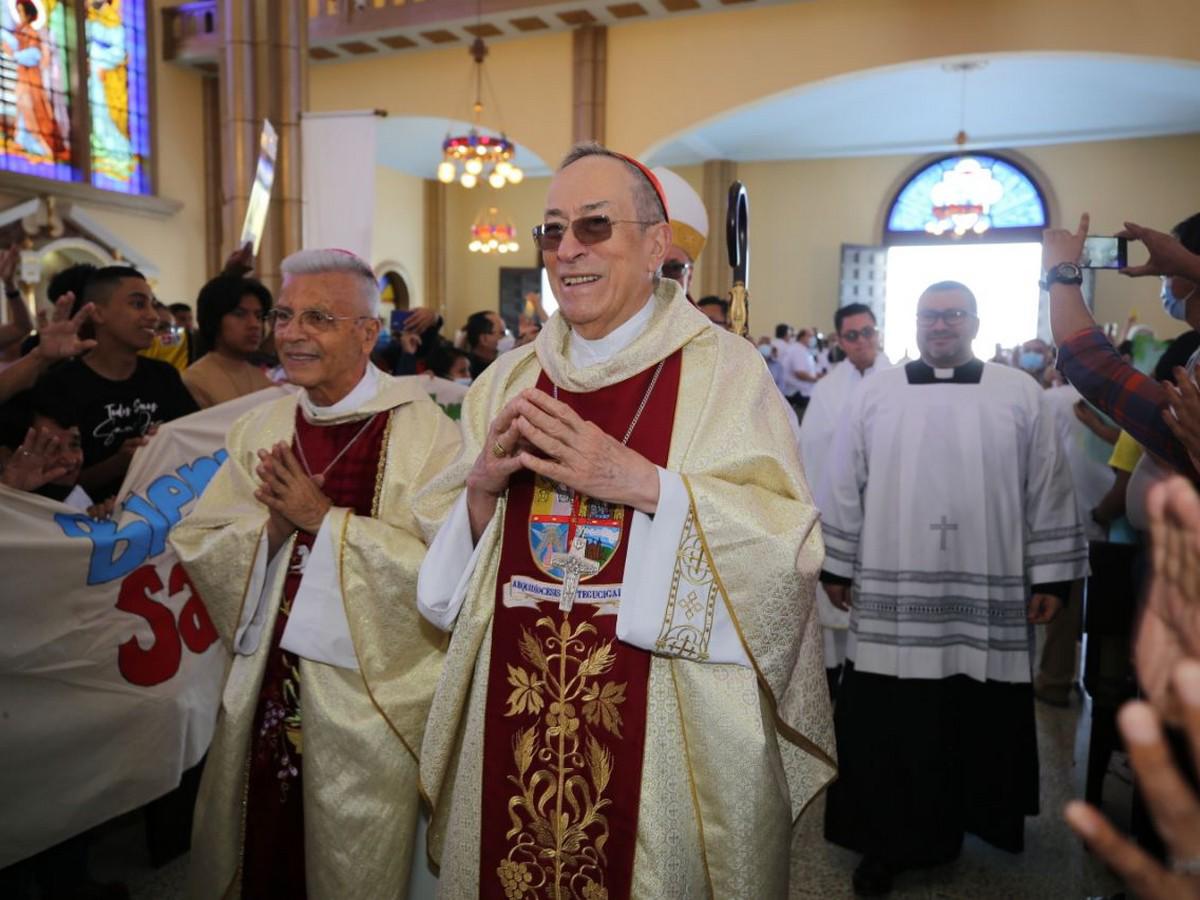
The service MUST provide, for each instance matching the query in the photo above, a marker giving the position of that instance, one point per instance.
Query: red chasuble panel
(566, 701)
(273, 843)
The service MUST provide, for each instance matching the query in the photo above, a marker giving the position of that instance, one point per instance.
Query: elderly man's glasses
(866, 332)
(949, 316)
(309, 319)
(675, 268)
(588, 230)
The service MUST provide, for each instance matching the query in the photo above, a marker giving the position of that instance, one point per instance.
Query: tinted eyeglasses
(588, 230)
(866, 332)
(310, 319)
(675, 268)
(930, 317)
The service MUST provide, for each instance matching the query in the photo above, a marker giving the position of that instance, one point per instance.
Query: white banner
(110, 669)
(338, 180)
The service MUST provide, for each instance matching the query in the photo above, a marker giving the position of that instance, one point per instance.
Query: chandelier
(491, 235)
(476, 152)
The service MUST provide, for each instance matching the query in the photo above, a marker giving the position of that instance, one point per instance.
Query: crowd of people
(647, 539)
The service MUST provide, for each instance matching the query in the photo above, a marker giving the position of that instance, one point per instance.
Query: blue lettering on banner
(117, 551)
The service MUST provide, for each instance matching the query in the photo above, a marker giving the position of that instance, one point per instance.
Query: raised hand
(494, 466)
(1167, 255)
(580, 455)
(35, 462)
(289, 491)
(60, 339)
(1171, 801)
(1062, 246)
(240, 262)
(1169, 630)
(1183, 412)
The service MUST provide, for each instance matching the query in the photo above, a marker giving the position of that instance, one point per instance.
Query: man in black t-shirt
(118, 397)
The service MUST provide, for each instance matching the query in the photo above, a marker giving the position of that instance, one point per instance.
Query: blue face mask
(1175, 307)
(1031, 361)
(766, 350)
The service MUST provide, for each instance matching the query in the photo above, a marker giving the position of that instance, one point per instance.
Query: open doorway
(1003, 277)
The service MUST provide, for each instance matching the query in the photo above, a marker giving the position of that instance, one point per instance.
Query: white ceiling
(1015, 100)
(413, 145)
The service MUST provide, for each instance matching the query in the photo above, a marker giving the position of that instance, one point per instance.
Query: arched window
(975, 196)
(74, 97)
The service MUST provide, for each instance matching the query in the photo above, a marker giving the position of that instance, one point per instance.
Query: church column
(213, 148)
(434, 225)
(715, 275)
(239, 142)
(589, 72)
(281, 68)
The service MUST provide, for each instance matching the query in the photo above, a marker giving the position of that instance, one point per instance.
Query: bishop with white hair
(305, 549)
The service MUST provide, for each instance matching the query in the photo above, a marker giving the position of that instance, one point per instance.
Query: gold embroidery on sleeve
(692, 603)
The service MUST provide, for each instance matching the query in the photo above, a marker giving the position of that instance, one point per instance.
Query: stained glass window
(42, 43)
(967, 196)
(36, 55)
(117, 95)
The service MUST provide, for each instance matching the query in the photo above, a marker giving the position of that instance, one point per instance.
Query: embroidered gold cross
(574, 566)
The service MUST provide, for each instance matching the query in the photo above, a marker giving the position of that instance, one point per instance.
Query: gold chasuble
(564, 763)
(360, 730)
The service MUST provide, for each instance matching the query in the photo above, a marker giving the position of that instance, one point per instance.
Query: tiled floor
(1054, 865)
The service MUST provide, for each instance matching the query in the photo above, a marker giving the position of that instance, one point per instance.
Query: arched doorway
(976, 218)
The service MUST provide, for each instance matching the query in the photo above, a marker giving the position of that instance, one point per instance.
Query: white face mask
(1176, 307)
(506, 343)
(463, 381)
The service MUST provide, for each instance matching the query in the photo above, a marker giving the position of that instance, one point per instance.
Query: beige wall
(781, 47)
(532, 78)
(397, 240)
(802, 212)
(473, 279)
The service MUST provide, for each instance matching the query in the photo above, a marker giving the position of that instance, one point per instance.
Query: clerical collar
(920, 372)
(584, 353)
(359, 396)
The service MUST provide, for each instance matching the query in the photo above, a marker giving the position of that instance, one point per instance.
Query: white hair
(320, 262)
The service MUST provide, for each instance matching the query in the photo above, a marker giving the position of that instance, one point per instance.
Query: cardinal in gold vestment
(657, 449)
(306, 548)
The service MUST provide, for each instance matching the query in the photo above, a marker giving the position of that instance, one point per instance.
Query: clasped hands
(294, 498)
(536, 432)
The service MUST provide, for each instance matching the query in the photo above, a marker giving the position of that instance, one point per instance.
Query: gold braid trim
(783, 727)
(687, 756)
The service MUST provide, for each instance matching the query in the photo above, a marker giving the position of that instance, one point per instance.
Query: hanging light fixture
(963, 199)
(491, 234)
(478, 152)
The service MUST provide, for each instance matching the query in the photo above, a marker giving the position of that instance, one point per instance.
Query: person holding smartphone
(1087, 358)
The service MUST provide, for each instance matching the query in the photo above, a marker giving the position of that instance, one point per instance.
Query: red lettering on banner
(195, 627)
(148, 666)
(158, 662)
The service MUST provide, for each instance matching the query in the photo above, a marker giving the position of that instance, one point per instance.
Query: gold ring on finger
(498, 449)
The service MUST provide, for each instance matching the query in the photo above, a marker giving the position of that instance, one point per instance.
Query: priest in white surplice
(633, 702)
(951, 523)
(858, 337)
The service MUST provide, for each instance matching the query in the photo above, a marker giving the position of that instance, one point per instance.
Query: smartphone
(1104, 253)
(399, 317)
